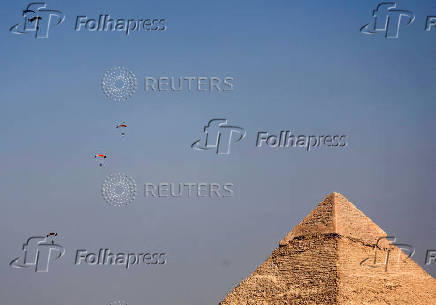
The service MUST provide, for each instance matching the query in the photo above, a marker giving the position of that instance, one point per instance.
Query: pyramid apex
(335, 195)
(321, 262)
(337, 215)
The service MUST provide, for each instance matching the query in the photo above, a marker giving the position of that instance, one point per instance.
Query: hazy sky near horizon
(297, 65)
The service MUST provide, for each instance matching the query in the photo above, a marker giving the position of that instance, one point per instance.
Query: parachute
(100, 158)
(122, 127)
(52, 235)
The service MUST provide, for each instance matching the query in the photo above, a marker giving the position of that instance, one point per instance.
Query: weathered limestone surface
(322, 261)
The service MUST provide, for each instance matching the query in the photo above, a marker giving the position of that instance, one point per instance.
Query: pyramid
(336, 255)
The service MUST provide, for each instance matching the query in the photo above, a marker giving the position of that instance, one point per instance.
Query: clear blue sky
(297, 65)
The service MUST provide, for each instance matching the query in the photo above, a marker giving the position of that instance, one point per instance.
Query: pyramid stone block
(336, 255)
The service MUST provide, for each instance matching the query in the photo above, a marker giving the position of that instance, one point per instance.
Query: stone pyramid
(336, 255)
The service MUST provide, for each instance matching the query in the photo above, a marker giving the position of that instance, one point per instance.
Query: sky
(302, 66)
